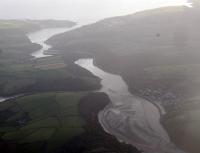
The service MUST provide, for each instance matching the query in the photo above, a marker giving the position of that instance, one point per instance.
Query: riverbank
(22, 116)
(130, 119)
(46, 75)
(22, 74)
(95, 138)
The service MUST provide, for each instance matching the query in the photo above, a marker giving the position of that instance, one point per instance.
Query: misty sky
(83, 11)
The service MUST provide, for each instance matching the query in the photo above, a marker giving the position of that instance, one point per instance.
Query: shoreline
(105, 140)
(158, 109)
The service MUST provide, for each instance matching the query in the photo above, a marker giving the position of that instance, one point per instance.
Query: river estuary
(130, 119)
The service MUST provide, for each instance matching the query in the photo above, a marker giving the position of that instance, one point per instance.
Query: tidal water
(130, 119)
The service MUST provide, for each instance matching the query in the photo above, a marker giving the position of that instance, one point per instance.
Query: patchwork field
(48, 74)
(50, 118)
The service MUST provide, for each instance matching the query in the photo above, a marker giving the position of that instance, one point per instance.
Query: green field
(50, 118)
(50, 74)
(21, 74)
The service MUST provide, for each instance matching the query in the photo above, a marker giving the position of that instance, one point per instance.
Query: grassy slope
(15, 52)
(19, 74)
(14, 44)
(49, 74)
(13, 39)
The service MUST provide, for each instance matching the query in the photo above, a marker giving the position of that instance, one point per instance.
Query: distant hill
(52, 23)
(148, 30)
(32, 25)
(13, 39)
(20, 25)
(14, 42)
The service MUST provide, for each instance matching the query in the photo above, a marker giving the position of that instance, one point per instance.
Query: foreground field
(51, 118)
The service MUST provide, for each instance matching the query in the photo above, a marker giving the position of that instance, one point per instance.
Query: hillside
(20, 74)
(32, 25)
(14, 43)
(13, 39)
(140, 45)
(156, 52)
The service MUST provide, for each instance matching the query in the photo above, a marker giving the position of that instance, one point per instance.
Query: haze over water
(82, 11)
